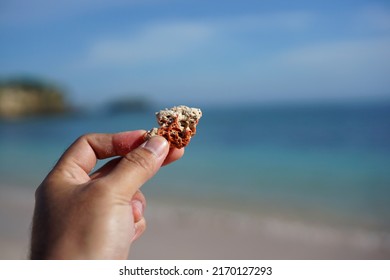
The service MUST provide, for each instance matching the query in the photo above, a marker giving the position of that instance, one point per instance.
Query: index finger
(86, 150)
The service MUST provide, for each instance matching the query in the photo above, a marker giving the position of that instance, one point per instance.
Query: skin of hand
(79, 215)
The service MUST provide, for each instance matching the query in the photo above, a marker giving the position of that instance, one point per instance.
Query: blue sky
(199, 51)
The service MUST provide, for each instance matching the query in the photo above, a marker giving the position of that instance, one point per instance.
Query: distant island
(30, 97)
(127, 104)
(26, 97)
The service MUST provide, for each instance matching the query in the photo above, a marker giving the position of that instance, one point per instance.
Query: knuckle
(141, 226)
(84, 137)
(140, 196)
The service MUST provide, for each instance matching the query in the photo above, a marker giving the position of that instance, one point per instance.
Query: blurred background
(292, 155)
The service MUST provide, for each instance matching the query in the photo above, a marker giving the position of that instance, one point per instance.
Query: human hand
(79, 215)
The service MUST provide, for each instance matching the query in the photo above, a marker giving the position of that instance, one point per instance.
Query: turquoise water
(329, 159)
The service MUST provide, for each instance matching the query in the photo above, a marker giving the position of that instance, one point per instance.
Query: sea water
(322, 160)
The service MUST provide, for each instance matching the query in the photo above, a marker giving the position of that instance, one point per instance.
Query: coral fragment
(177, 125)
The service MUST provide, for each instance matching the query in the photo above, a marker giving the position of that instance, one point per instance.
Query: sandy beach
(185, 231)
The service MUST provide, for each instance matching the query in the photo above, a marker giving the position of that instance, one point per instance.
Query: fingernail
(156, 145)
(139, 206)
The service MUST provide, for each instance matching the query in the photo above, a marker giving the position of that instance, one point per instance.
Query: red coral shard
(177, 125)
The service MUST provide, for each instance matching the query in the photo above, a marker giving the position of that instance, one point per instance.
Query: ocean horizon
(322, 162)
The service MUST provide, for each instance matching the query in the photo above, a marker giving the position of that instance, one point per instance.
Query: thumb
(138, 166)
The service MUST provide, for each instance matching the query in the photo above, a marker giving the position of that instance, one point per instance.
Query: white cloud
(334, 69)
(376, 51)
(374, 17)
(288, 21)
(151, 44)
(22, 12)
(169, 40)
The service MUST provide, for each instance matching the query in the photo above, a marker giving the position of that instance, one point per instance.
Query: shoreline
(16, 211)
(185, 229)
